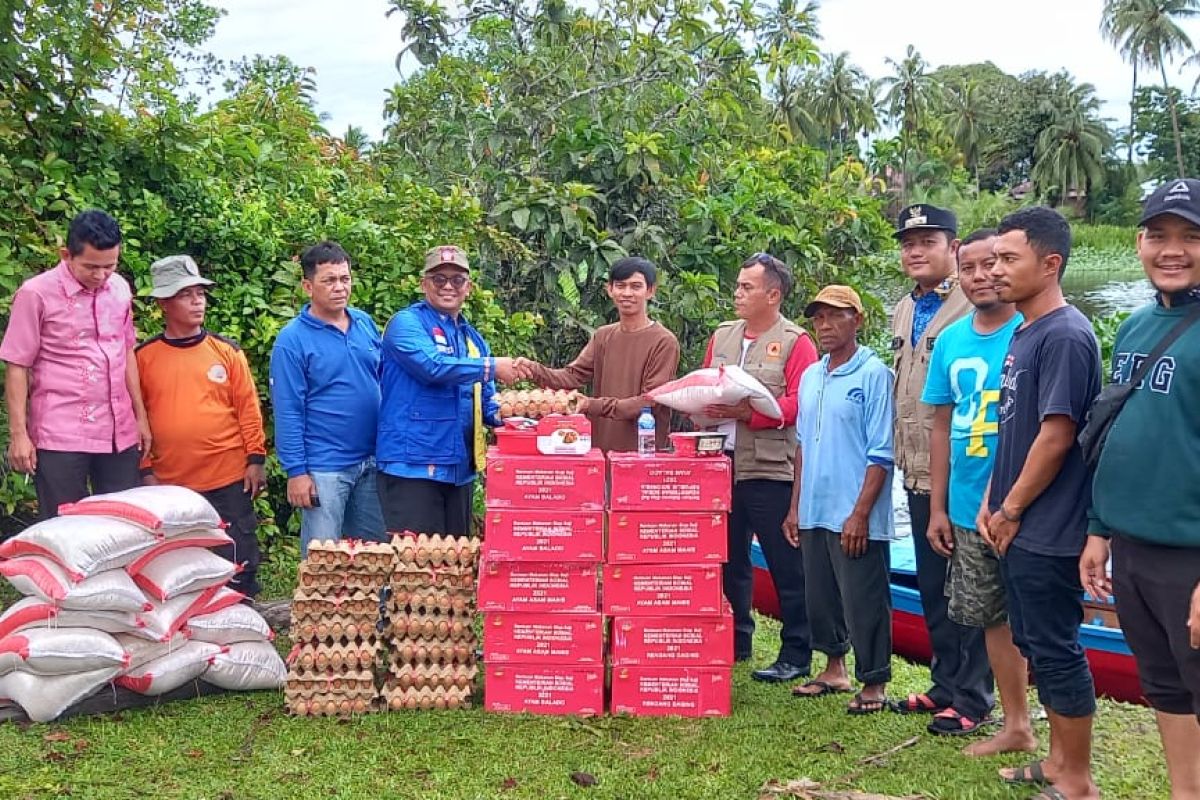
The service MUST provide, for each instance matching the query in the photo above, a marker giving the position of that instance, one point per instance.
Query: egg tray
(407, 577)
(455, 604)
(308, 684)
(324, 556)
(418, 676)
(406, 651)
(308, 603)
(343, 657)
(335, 629)
(422, 551)
(349, 580)
(397, 699)
(331, 706)
(537, 403)
(423, 628)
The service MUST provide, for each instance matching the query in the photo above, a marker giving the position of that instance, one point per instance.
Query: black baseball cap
(1180, 198)
(922, 216)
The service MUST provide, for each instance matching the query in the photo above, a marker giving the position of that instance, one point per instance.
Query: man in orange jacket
(203, 409)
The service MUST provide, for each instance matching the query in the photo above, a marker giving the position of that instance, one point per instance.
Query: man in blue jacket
(438, 394)
(325, 391)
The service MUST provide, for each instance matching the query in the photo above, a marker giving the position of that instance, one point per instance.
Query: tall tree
(1070, 150)
(966, 117)
(1148, 34)
(843, 102)
(907, 95)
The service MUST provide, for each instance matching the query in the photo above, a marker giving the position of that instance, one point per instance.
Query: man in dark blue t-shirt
(1036, 510)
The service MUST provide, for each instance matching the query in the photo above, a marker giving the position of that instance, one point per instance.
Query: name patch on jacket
(774, 349)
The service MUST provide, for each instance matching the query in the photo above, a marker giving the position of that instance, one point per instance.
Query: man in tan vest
(776, 351)
(962, 678)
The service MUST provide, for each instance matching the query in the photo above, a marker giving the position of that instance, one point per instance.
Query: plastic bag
(224, 598)
(38, 576)
(83, 546)
(60, 651)
(727, 385)
(169, 672)
(188, 569)
(237, 623)
(45, 697)
(163, 510)
(167, 617)
(246, 667)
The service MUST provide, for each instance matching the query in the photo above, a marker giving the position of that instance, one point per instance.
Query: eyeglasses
(440, 281)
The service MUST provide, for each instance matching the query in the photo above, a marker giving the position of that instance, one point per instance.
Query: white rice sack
(725, 386)
(82, 546)
(237, 623)
(143, 650)
(163, 510)
(44, 697)
(169, 672)
(38, 576)
(167, 617)
(206, 539)
(188, 569)
(247, 667)
(25, 613)
(58, 651)
(224, 598)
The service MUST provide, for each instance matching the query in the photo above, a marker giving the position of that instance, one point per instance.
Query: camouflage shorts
(974, 586)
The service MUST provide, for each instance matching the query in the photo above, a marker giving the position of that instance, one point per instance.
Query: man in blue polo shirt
(438, 395)
(325, 391)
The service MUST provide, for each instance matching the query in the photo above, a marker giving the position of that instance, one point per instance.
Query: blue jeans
(1045, 611)
(349, 507)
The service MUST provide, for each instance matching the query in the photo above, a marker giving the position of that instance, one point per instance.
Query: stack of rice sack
(335, 618)
(430, 610)
(123, 588)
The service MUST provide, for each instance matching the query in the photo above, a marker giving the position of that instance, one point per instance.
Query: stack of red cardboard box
(543, 634)
(671, 629)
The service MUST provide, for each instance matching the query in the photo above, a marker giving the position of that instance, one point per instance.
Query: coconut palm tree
(1069, 154)
(1147, 33)
(907, 95)
(965, 122)
(787, 34)
(843, 103)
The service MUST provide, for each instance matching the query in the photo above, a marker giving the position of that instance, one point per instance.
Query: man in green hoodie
(1144, 496)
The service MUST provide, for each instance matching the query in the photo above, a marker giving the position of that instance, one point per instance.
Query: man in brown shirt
(621, 362)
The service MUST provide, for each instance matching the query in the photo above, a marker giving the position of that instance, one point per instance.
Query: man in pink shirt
(75, 412)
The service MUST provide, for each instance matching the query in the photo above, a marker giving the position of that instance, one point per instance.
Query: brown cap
(836, 296)
(446, 254)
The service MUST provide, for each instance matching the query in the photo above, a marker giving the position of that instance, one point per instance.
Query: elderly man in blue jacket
(438, 395)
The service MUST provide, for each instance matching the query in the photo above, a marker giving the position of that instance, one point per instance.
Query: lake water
(1097, 293)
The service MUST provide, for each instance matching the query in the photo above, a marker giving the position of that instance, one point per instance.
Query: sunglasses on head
(440, 281)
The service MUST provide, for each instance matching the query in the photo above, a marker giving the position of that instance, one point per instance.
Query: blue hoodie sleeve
(289, 398)
(491, 406)
(878, 417)
(407, 342)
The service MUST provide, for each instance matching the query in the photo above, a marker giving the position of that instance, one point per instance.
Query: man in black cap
(1156, 545)
(961, 696)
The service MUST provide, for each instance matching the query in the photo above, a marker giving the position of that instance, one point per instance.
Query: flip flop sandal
(1030, 773)
(1050, 793)
(952, 723)
(824, 686)
(917, 704)
(860, 706)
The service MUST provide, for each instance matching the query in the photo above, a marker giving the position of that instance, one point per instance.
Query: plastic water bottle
(645, 432)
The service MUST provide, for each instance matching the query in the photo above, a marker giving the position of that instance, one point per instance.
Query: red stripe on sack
(15, 548)
(41, 577)
(113, 508)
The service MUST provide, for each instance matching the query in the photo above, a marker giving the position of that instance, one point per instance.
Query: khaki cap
(171, 275)
(446, 254)
(836, 296)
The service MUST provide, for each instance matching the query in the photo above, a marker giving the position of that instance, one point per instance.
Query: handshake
(511, 370)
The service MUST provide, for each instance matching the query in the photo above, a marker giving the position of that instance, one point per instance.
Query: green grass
(243, 746)
(1103, 237)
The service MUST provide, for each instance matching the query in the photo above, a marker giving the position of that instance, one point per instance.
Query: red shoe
(917, 704)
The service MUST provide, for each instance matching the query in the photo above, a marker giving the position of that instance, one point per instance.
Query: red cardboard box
(536, 586)
(525, 481)
(544, 638)
(544, 535)
(672, 691)
(544, 689)
(673, 641)
(669, 483)
(661, 537)
(663, 589)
